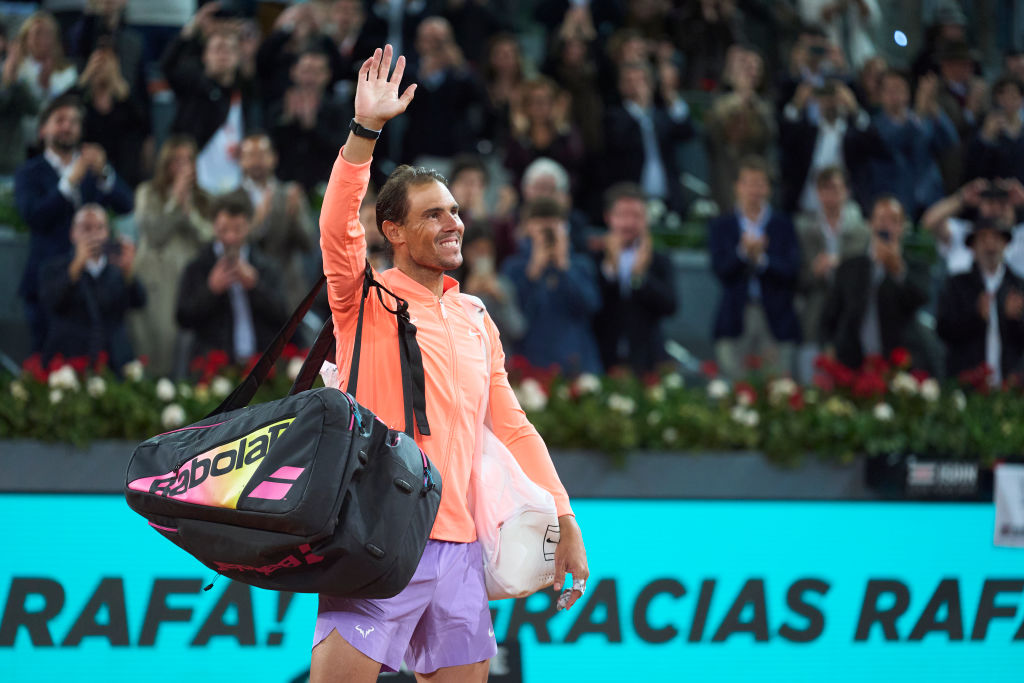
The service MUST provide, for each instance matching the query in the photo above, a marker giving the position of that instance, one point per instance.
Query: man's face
(257, 158)
(432, 229)
(1009, 99)
(887, 221)
(540, 186)
(627, 219)
(469, 186)
(635, 86)
(832, 194)
(90, 227)
(311, 71)
(62, 130)
(432, 36)
(752, 188)
(221, 54)
(231, 230)
(988, 246)
(956, 70)
(894, 94)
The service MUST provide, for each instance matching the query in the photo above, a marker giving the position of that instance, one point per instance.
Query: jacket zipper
(454, 386)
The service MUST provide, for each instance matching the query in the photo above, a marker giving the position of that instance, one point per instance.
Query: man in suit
(230, 296)
(871, 307)
(282, 227)
(87, 294)
(756, 257)
(641, 137)
(637, 288)
(981, 312)
(49, 188)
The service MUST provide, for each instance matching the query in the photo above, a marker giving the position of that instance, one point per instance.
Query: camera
(113, 248)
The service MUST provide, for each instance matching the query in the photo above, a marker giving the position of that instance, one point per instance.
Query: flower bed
(883, 408)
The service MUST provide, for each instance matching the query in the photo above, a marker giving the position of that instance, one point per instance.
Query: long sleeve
(958, 319)
(40, 202)
(196, 303)
(342, 238)
(725, 262)
(159, 221)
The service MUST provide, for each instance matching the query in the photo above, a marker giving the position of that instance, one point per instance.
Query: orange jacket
(454, 361)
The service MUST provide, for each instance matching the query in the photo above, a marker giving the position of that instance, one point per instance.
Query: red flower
(102, 360)
(796, 401)
(753, 362)
(651, 379)
(824, 381)
(144, 360)
(709, 369)
(33, 366)
(843, 375)
(900, 357)
(876, 364)
(79, 363)
(919, 375)
(292, 351)
(56, 363)
(746, 390)
(976, 378)
(868, 384)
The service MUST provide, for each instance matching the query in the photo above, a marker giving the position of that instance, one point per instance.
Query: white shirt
(993, 344)
(217, 171)
(96, 266)
(960, 259)
(73, 193)
(241, 314)
(828, 151)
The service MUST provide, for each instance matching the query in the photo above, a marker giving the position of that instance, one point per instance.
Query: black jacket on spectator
(441, 118)
(121, 133)
(306, 156)
(210, 315)
(202, 103)
(965, 331)
(87, 316)
(624, 149)
(274, 63)
(1003, 158)
(847, 304)
(628, 326)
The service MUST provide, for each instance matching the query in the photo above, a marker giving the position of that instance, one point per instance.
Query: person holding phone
(87, 293)
(872, 304)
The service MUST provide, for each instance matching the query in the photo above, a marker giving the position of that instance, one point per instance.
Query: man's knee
(335, 660)
(466, 673)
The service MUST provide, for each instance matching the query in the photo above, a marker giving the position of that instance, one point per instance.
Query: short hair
(259, 135)
(544, 207)
(828, 174)
(91, 207)
(623, 190)
(895, 73)
(754, 162)
(60, 102)
(1007, 82)
(468, 162)
(234, 203)
(888, 197)
(393, 198)
(543, 166)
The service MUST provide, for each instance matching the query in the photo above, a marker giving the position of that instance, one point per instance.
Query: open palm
(377, 100)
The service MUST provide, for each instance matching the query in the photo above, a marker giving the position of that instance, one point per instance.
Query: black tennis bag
(309, 493)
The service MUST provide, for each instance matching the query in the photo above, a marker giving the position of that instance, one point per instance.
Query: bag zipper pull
(208, 586)
(444, 313)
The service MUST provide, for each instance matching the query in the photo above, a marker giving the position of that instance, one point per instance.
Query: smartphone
(112, 248)
(884, 235)
(549, 236)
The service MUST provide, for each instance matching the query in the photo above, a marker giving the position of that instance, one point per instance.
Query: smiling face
(430, 235)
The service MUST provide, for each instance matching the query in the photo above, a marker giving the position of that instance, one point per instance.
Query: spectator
(158, 22)
(215, 103)
(86, 294)
(641, 138)
(756, 257)
(706, 30)
(230, 295)
(49, 188)
(869, 84)
(17, 104)
(820, 128)
(852, 26)
(473, 24)
(814, 60)
(102, 26)
(832, 234)
(296, 33)
(1013, 64)
(870, 309)
(310, 124)
(541, 128)
(981, 312)
(469, 182)
(912, 140)
(480, 278)
(353, 41)
(574, 63)
(951, 220)
(557, 290)
(637, 288)
(43, 68)
(962, 96)
(171, 214)
(281, 226)
(503, 75)
(443, 120)
(113, 119)
(997, 149)
(740, 123)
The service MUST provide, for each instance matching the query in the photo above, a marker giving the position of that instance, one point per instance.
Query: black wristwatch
(363, 131)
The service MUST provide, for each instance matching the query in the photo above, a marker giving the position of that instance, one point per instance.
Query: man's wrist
(370, 122)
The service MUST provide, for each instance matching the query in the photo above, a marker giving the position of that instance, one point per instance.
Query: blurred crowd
(817, 135)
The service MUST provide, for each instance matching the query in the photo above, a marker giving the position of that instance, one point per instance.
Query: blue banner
(680, 590)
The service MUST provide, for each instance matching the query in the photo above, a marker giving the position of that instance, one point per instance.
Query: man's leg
(334, 660)
(466, 673)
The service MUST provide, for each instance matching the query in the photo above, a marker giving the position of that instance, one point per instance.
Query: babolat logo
(305, 556)
(225, 470)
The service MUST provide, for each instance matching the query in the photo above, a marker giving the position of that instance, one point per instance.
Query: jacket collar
(409, 289)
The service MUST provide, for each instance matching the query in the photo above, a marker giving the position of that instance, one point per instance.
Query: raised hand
(377, 100)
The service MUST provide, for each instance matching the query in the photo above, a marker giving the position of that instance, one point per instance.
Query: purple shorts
(440, 619)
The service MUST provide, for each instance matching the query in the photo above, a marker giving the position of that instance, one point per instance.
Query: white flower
(294, 367)
(669, 435)
(531, 395)
(959, 400)
(63, 378)
(653, 418)
(930, 390)
(165, 390)
(220, 386)
(744, 398)
(562, 392)
(883, 412)
(18, 391)
(904, 383)
(133, 370)
(752, 418)
(745, 416)
(622, 404)
(587, 383)
(184, 390)
(718, 388)
(96, 386)
(672, 380)
(172, 416)
(656, 393)
(781, 389)
(56, 396)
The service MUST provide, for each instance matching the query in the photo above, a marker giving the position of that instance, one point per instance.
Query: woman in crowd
(43, 68)
(170, 212)
(503, 76)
